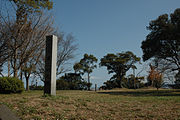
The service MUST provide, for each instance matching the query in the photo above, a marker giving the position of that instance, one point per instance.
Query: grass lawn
(102, 105)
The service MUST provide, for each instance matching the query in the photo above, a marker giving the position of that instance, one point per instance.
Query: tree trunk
(27, 80)
(134, 79)
(8, 68)
(157, 88)
(152, 83)
(15, 60)
(134, 83)
(95, 87)
(27, 84)
(15, 68)
(15, 72)
(36, 82)
(21, 75)
(119, 78)
(88, 81)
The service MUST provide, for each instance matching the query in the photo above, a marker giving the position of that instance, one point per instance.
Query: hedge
(11, 85)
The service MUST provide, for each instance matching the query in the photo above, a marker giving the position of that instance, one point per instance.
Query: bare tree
(42, 26)
(66, 50)
(166, 68)
(25, 41)
(3, 45)
(23, 35)
(65, 53)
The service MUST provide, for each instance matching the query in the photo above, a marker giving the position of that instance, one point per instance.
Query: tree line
(161, 47)
(116, 64)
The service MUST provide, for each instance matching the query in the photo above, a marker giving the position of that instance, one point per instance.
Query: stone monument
(50, 65)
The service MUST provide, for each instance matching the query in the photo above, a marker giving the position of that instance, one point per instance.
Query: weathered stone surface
(50, 65)
(7, 114)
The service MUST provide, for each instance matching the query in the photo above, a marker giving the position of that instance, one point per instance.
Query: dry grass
(116, 104)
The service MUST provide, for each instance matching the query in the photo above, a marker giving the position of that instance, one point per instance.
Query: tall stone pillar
(50, 65)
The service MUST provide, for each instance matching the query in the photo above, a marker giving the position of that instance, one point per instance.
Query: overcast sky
(108, 26)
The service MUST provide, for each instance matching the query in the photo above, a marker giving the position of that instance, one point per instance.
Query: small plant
(11, 85)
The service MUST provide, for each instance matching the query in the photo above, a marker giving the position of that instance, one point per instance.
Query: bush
(34, 87)
(72, 85)
(132, 82)
(72, 81)
(110, 84)
(11, 85)
(62, 85)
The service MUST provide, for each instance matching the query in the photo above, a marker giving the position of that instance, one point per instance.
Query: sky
(108, 26)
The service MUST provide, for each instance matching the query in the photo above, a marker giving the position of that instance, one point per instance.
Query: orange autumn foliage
(155, 77)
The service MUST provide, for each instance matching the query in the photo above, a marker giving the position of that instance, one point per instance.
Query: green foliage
(129, 82)
(34, 87)
(72, 82)
(26, 7)
(109, 84)
(177, 77)
(119, 64)
(78, 68)
(61, 84)
(34, 5)
(163, 41)
(11, 85)
(86, 65)
(132, 82)
(177, 81)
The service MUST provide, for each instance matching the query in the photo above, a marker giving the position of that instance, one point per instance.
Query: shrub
(62, 84)
(110, 84)
(11, 85)
(34, 87)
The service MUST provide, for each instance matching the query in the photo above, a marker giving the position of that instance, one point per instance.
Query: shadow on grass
(144, 93)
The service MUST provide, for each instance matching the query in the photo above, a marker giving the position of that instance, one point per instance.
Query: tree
(25, 7)
(119, 64)
(158, 81)
(151, 76)
(26, 43)
(25, 34)
(155, 78)
(163, 41)
(3, 45)
(132, 82)
(86, 64)
(78, 68)
(165, 67)
(177, 82)
(19, 27)
(110, 84)
(33, 5)
(15, 37)
(65, 52)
